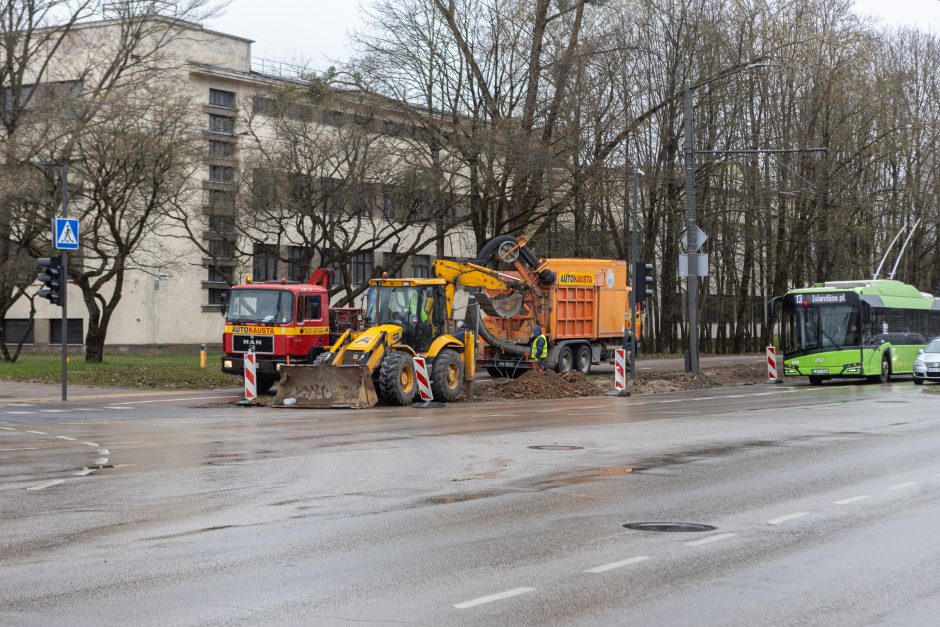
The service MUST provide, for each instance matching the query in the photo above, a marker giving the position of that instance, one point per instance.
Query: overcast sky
(315, 31)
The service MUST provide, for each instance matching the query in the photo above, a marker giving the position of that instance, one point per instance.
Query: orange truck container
(585, 314)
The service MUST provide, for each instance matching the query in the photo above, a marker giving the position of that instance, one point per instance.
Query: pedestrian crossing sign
(66, 233)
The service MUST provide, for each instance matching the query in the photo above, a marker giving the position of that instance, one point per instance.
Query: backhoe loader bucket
(326, 386)
(503, 305)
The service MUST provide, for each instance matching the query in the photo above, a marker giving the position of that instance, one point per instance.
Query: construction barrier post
(424, 382)
(251, 379)
(202, 356)
(772, 376)
(620, 373)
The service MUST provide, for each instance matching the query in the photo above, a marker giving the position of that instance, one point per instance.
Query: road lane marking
(493, 597)
(677, 400)
(715, 538)
(25, 448)
(782, 519)
(91, 444)
(906, 484)
(103, 451)
(47, 484)
(84, 472)
(853, 499)
(101, 461)
(84, 409)
(8, 428)
(171, 400)
(38, 432)
(21, 413)
(119, 408)
(20, 405)
(52, 411)
(605, 567)
(65, 437)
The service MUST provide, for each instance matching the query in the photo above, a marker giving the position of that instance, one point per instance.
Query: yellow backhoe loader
(404, 318)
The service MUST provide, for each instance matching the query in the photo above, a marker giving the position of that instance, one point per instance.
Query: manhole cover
(668, 526)
(556, 447)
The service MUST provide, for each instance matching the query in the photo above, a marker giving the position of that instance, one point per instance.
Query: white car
(927, 364)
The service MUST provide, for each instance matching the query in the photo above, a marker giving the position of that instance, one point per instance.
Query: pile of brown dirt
(676, 380)
(538, 385)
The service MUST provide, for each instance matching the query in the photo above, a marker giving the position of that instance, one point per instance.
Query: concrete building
(175, 297)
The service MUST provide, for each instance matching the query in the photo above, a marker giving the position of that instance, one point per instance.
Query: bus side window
(309, 308)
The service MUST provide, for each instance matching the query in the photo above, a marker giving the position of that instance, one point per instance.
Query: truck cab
(281, 322)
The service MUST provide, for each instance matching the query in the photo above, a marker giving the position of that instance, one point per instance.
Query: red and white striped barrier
(251, 376)
(620, 369)
(772, 365)
(424, 382)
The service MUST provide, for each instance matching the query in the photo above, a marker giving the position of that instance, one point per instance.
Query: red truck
(284, 322)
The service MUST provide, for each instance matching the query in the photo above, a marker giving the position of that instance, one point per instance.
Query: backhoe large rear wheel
(397, 379)
(447, 376)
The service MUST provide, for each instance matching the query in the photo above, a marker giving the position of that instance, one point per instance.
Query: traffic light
(643, 280)
(51, 279)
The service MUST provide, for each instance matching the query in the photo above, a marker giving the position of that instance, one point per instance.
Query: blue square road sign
(66, 233)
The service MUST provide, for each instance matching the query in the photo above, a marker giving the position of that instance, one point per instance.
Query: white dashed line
(25, 448)
(493, 597)
(91, 444)
(52, 411)
(38, 432)
(47, 484)
(103, 451)
(84, 471)
(782, 519)
(8, 428)
(65, 437)
(21, 413)
(707, 540)
(678, 400)
(119, 408)
(901, 486)
(605, 567)
(853, 499)
(20, 405)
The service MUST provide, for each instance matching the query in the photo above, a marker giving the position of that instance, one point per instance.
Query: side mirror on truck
(223, 298)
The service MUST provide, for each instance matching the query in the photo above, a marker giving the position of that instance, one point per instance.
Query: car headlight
(918, 363)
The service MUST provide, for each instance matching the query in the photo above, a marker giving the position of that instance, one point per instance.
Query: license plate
(934, 373)
(262, 344)
(820, 371)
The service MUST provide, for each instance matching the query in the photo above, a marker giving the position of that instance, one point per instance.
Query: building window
(221, 98)
(76, 331)
(221, 150)
(421, 266)
(336, 267)
(215, 296)
(222, 248)
(221, 224)
(220, 274)
(221, 124)
(361, 268)
(220, 199)
(298, 263)
(221, 173)
(264, 262)
(18, 330)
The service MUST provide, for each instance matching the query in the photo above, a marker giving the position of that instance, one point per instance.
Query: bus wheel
(885, 370)
(815, 380)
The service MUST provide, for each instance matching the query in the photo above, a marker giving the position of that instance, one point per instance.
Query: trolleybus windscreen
(820, 326)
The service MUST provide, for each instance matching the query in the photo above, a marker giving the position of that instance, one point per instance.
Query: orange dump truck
(584, 312)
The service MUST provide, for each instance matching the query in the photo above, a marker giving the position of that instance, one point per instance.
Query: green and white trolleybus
(853, 329)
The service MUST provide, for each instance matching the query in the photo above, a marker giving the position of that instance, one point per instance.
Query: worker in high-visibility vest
(539, 350)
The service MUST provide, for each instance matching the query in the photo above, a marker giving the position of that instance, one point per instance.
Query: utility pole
(64, 181)
(691, 228)
(634, 255)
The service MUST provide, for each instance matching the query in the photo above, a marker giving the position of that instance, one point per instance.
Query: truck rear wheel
(397, 379)
(447, 376)
(585, 358)
(565, 359)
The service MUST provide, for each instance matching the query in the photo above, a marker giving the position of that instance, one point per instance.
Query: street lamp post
(690, 210)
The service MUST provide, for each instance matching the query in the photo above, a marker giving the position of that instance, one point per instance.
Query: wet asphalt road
(140, 508)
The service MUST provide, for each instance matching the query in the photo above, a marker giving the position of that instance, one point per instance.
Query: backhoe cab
(404, 318)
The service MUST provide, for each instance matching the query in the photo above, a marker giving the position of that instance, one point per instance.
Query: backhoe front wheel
(447, 376)
(397, 378)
